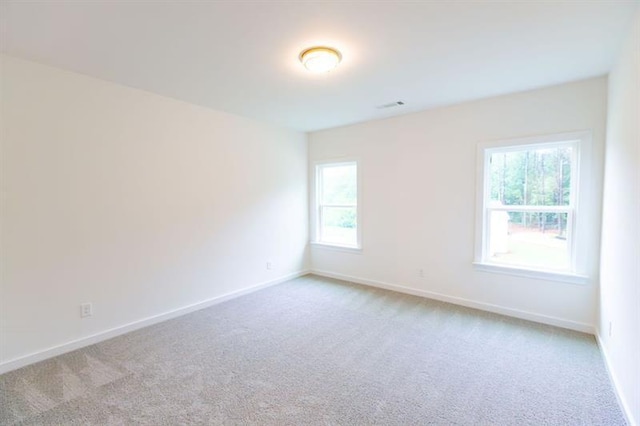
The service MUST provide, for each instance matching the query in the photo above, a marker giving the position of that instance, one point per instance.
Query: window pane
(529, 239)
(339, 184)
(539, 177)
(338, 225)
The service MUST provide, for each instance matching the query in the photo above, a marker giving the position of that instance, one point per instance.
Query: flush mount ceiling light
(320, 59)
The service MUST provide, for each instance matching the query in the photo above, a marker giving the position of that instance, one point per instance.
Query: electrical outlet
(610, 328)
(421, 273)
(269, 265)
(86, 310)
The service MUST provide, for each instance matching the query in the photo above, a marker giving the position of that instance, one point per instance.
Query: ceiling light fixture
(320, 59)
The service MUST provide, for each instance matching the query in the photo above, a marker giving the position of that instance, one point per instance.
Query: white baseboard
(23, 361)
(511, 312)
(626, 410)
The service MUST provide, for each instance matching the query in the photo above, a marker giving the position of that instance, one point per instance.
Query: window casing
(335, 212)
(528, 219)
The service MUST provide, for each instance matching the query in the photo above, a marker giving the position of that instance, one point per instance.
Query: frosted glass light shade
(320, 59)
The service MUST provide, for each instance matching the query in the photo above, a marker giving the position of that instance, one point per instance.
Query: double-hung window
(335, 210)
(528, 215)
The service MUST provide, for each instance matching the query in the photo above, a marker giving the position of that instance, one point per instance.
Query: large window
(528, 215)
(336, 204)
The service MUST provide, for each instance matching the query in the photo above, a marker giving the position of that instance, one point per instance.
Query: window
(336, 207)
(528, 218)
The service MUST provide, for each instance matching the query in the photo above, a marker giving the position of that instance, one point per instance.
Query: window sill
(335, 247)
(565, 277)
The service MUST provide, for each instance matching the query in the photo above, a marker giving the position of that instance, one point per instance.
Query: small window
(529, 205)
(336, 207)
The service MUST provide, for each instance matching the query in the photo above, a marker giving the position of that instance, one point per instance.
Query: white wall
(137, 203)
(419, 192)
(620, 261)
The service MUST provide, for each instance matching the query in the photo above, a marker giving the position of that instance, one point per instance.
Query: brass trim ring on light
(330, 50)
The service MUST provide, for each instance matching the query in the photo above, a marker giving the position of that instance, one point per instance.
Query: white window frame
(577, 222)
(316, 206)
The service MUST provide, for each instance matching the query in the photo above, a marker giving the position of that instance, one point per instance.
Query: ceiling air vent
(391, 105)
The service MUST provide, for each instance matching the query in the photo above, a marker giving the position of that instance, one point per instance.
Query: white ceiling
(242, 57)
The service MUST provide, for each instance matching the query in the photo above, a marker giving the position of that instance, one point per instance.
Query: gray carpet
(321, 351)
